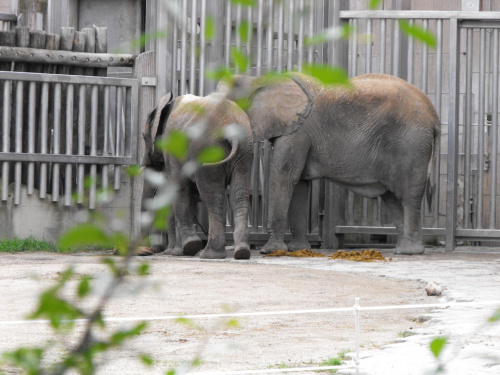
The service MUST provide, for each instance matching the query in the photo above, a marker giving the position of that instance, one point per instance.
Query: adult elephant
(375, 138)
(211, 121)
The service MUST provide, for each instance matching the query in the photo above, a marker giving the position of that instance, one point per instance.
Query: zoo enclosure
(460, 76)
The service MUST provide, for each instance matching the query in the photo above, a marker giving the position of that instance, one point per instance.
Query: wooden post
(145, 66)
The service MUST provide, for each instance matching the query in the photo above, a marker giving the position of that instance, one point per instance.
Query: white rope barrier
(265, 313)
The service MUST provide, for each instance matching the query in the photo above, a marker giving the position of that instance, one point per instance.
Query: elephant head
(275, 106)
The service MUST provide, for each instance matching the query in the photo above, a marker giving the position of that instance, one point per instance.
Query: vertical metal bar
(290, 41)
(239, 11)
(383, 50)
(259, 37)
(105, 152)
(175, 52)
(300, 44)
(44, 138)
(183, 47)
(368, 57)
(255, 187)
(437, 167)
(31, 136)
(250, 33)
(494, 133)
(57, 141)
(228, 34)
(192, 41)
(281, 21)
(395, 48)
(7, 89)
(453, 110)
(487, 99)
(468, 129)
(425, 57)
(411, 44)
(238, 36)
(93, 146)
(119, 136)
(69, 143)
(19, 141)
(203, 42)
(270, 36)
(480, 138)
(354, 53)
(310, 48)
(82, 95)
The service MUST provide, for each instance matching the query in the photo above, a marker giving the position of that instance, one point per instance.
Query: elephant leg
(191, 243)
(286, 168)
(397, 213)
(212, 189)
(174, 240)
(297, 217)
(240, 183)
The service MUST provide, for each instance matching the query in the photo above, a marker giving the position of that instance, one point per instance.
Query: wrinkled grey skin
(375, 138)
(209, 181)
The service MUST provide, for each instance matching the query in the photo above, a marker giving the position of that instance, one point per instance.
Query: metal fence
(460, 75)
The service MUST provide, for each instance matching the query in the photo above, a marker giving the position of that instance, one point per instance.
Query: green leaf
(26, 358)
(188, 323)
(143, 269)
(341, 32)
(55, 309)
(176, 144)
(145, 38)
(83, 235)
(250, 3)
(120, 241)
(115, 270)
(211, 154)
(171, 372)
(134, 170)
(147, 360)
(495, 317)
(218, 74)
(84, 286)
(240, 59)
(117, 338)
(209, 28)
(374, 4)
(417, 32)
(243, 31)
(161, 216)
(329, 75)
(437, 345)
(233, 323)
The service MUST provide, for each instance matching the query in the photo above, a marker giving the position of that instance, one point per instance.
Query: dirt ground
(178, 286)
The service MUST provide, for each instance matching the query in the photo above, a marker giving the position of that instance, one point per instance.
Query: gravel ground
(179, 286)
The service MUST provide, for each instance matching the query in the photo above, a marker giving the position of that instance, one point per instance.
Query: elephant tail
(430, 187)
(234, 150)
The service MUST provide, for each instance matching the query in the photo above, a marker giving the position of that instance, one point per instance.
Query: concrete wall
(46, 220)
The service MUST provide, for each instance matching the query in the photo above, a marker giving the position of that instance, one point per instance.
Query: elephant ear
(154, 127)
(278, 109)
(160, 115)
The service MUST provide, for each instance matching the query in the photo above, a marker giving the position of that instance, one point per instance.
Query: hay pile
(370, 255)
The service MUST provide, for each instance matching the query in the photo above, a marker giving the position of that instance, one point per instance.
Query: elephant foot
(298, 245)
(175, 251)
(408, 246)
(191, 246)
(242, 252)
(274, 245)
(158, 248)
(213, 254)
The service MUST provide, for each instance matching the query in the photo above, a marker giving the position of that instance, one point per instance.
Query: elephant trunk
(234, 150)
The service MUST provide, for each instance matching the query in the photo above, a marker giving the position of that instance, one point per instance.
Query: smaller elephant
(209, 121)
